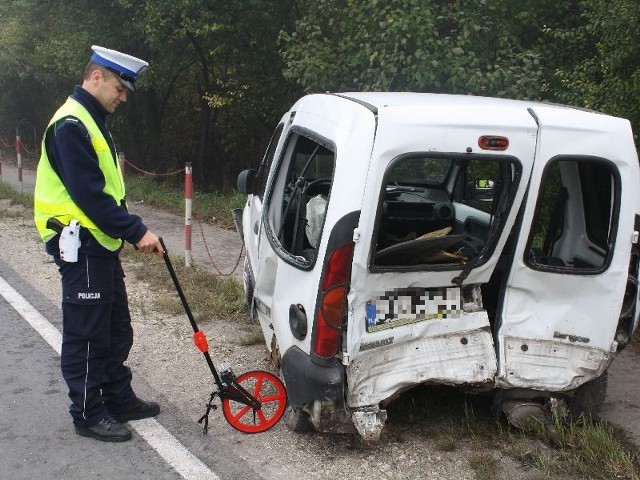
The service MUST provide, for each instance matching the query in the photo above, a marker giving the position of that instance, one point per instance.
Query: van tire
(296, 420)
(587, 400)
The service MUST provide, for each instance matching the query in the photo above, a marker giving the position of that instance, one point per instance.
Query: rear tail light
(332, 302)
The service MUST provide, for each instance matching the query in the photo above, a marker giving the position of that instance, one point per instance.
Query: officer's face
(110, 92)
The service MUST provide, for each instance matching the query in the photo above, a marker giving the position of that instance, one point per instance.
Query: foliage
(606, 75)
(454, 47)
(222, 72)
(211, 96)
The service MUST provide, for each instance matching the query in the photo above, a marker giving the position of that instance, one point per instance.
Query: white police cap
(126, 67)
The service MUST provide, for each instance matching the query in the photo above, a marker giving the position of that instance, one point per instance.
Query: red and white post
(19, 160)
(188, 195)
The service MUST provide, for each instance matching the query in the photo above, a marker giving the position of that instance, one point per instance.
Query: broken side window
(576, 216)
(299, 201)
(438, 211)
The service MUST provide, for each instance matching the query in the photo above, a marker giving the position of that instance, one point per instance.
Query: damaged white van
(398, 239)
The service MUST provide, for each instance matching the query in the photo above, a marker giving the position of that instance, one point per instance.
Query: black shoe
(107, 430)
(137, 411)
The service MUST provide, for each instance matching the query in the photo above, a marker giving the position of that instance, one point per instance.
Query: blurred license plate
(404, 306)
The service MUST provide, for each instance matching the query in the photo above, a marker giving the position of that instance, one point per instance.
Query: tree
(604, 73)
(44, 47)
(226, 89)
(466, 46)
(212, 95)
(222, 72)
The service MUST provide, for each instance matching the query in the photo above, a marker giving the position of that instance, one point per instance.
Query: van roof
(378, 100)
(551, 115)
(406, 114)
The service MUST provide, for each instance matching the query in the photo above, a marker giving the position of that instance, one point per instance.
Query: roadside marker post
(188, 194)
(19, 160)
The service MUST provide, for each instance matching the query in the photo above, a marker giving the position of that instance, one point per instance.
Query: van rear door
(563, 296)
(426, 219)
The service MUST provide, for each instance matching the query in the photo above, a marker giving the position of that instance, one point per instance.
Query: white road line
(31, 315)
(167, 446)
(173, 452)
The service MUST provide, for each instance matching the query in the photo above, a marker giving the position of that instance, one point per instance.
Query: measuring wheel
(268, 390)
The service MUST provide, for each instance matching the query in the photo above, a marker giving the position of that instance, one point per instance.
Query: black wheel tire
(296, 420)
(247, 282)
(588, 399)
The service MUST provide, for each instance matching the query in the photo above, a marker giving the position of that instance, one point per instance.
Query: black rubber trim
(307, 381)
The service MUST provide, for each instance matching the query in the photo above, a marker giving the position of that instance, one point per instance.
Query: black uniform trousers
(96, 336)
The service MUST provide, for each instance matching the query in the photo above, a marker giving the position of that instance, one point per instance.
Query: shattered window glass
(439, 209)
(306, 175)
(575, 215)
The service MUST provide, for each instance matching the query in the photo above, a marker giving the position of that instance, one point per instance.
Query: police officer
(79, 181)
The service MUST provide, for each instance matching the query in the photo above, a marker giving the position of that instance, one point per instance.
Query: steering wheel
(318, 186)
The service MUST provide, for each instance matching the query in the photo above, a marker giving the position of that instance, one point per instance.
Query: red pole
(188, 194)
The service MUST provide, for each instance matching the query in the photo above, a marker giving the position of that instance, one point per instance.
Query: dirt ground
(165, 357)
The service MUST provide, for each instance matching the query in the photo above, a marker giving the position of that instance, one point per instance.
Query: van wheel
(296, 420)
(247, 282)
(588, 399)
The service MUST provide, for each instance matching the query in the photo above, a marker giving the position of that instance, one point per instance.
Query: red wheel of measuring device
(270, 392)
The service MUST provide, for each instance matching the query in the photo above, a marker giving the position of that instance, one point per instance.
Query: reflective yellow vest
(51, 198)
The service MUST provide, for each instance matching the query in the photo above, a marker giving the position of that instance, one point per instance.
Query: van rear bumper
(308, 381)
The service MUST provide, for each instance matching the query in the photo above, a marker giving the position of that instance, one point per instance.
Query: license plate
(405, 306)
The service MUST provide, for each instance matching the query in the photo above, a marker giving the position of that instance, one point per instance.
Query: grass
(168, 194)
(7, 192)
(597, 452)
(206, 294)
(454, 420)
(483, 465)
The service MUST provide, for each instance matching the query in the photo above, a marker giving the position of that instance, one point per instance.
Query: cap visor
(127, 83)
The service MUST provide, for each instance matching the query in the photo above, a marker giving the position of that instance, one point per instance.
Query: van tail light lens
(332, 302)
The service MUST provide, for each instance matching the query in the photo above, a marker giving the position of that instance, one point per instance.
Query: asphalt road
(36, 437)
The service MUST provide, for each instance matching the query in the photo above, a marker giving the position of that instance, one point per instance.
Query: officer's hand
(150, 243)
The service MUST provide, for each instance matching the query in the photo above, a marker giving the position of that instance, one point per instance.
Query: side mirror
(246, 181)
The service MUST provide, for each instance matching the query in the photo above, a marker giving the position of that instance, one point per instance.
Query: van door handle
(255, 227)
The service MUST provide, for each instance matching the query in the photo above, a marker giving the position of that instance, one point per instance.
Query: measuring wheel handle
(264, 387)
